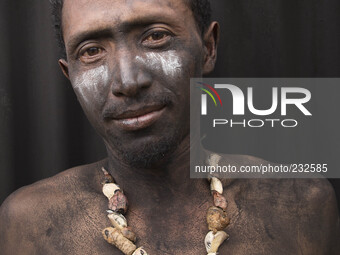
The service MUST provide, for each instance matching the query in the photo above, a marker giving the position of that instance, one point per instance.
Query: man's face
(130, 63)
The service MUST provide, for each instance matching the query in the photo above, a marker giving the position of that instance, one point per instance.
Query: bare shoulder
(312, 190)
(311, 206)
(26, 214)
(318, 213)
(306, 193)
(305, 208)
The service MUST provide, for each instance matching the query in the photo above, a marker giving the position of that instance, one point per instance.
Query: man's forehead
(84, 14)
(121, 7)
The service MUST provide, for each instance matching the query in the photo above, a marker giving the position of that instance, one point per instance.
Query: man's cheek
(168, 64)
(91, 85)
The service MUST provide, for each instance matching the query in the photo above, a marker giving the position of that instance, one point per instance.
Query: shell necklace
(122, 237)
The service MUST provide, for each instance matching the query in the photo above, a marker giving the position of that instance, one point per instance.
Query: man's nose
(129, 76)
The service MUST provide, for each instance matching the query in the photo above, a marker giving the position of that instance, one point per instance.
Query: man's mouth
(138, 119)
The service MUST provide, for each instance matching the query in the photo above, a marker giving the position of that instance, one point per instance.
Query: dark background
(43, 130)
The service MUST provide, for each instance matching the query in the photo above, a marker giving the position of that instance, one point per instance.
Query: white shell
(208, 240)
(213, 241)
(214, 159)
(140, 251)
(109, 189)
(212, 253)
(117, 220)
(216, 184)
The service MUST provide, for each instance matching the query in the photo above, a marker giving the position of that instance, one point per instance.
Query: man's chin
(148, 154)
(147, 157)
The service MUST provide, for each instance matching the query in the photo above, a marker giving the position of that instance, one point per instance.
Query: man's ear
(210, 40)
(64, 67)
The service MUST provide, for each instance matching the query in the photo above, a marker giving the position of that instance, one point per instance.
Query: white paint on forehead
(169, 62)
(88, 82)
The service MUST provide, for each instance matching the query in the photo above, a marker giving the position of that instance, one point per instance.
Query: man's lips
(138, 119)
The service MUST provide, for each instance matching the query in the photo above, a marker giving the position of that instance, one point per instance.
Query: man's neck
(172, 173)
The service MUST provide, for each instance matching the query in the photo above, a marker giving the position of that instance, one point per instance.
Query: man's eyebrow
(143, 21)
(88, 34)
(124, 26)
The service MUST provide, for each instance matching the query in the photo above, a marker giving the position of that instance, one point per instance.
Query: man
(129, 63)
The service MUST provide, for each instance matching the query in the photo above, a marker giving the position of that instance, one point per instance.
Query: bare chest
(170, 230)
(158, 234)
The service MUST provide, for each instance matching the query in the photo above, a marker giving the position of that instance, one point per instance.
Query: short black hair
(200, 8)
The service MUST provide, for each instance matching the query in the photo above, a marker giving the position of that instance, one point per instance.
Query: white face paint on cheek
(87, 84)
(168, 62)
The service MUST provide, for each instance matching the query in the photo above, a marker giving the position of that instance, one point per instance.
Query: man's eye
(91, 52)
(156, 36)
(157, 39)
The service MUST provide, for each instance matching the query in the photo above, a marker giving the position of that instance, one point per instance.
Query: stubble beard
(147, 155)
